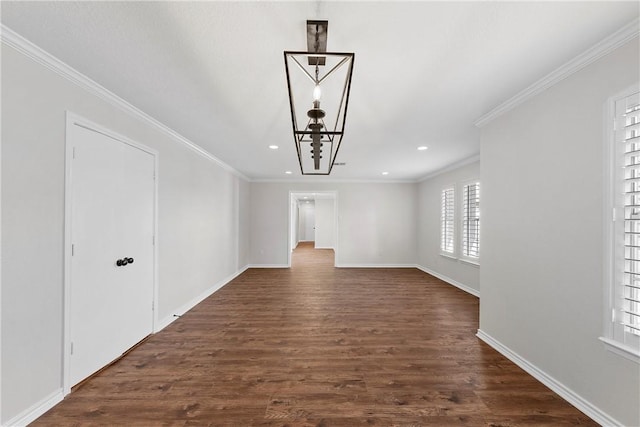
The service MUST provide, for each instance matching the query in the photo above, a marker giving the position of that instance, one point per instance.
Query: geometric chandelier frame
(318, 84)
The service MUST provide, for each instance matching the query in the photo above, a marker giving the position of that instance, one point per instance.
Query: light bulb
(317, 93)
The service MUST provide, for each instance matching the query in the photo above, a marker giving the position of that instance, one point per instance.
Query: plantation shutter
(447, 221)
(471, 221)
(627, 292)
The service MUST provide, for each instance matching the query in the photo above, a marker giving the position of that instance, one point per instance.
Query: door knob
(124, 261)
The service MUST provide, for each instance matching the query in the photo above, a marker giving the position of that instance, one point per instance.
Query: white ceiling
(424, 71)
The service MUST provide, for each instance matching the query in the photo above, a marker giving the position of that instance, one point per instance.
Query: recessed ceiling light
(422, 148)
(273, 147)
(288, 172)
(385, 173)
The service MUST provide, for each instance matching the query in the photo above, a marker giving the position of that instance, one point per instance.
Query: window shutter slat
(471, 221)
(628, 301)
(447, 219)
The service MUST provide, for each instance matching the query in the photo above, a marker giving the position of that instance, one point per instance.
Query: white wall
(542, 235)
(463, 274)
(325, 223)
(203, 222)
(376, 222)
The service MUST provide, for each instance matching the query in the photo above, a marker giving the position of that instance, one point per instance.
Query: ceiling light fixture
(385, 173)
(313, 76)
(422, 148)
(288, 172)
(273, 147)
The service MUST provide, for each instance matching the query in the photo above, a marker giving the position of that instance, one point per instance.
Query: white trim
(621, 349)
(323, 247)
(197, 300)
(604, 47)
(563, 391)
(0, 264)
(453, 166)
(326, 194)
(375, 265)
(32, 413)
(449, 280)
(37, 54)
(73, 119)
(330, 181)
(607, 214)
(268, 266)
(471, 261)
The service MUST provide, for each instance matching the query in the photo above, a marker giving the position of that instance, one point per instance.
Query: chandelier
(319, 83)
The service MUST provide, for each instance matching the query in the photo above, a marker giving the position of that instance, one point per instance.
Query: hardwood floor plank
(318, 346)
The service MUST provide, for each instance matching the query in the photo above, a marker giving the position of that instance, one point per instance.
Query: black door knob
(130, 260)
(119, 262)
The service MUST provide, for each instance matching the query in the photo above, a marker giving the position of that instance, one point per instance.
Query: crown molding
(42, 57)
(330, 181)
(453, 166)
(606, 46)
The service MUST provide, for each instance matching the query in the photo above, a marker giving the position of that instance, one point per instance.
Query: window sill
(470, 261)
(621, 349)
(446, 255)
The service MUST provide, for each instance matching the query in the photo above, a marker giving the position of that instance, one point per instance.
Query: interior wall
(542, 235)
(325, 223)
(429, 208)
(244, 219)
(376, 222)
(203, 222)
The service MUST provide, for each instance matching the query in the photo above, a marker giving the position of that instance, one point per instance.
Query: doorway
(313, 220)
(110, 229)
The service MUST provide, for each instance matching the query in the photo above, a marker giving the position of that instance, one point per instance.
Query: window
(447, 221)
(622, 329)
(471, 221)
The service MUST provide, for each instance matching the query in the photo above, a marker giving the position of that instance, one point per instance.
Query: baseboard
(323, 247)
(450, 281)
(268, 266)
(375, 265)
(197, 300)
(29, 415)
(556, 386)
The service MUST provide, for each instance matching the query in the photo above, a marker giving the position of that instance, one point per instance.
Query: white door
(310, 222)
(112, 218)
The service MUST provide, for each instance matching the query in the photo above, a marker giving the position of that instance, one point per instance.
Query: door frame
(292, 199)
(73, 119)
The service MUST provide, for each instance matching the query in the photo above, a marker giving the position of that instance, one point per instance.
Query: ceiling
(424, 71)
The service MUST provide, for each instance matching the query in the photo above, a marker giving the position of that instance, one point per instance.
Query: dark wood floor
(319, 346)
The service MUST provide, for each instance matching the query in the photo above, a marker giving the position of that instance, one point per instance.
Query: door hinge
(71, 348)
(153, 305)
(613, 211)
(73, 155)
(73, 249)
